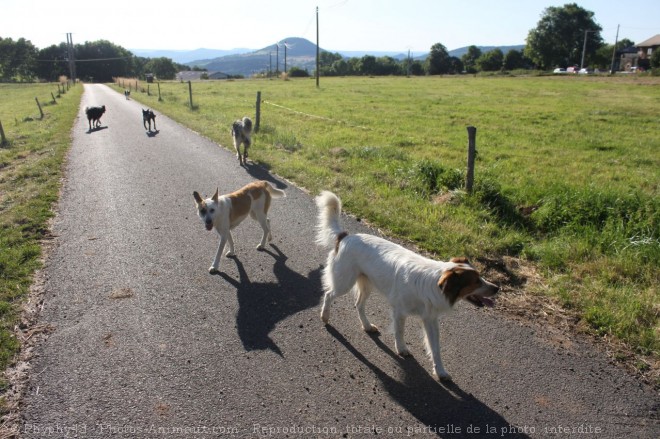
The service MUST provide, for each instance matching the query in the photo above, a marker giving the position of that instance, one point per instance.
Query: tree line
(564, 36)
(95, 61)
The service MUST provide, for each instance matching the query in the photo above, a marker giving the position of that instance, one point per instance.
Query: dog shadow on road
(262, 305)
(95, 129)
(435, 405)
(261, 173)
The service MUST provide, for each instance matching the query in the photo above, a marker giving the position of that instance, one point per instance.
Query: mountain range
(299, 52)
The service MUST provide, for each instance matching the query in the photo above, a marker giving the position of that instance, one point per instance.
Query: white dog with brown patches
(227, 211)
(413, 284)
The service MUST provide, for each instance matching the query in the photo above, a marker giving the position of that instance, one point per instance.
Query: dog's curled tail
(274, 192)
(328, 227)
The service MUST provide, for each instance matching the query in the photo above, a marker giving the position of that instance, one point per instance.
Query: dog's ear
(461, 260)
(215, 196)
(198, 199)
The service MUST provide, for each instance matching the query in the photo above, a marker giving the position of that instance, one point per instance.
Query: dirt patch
(521, 298)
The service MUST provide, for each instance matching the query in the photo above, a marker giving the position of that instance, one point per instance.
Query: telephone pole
(317, 47)
(616, 40)
(71, 56)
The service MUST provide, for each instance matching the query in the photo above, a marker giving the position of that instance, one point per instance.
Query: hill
(186, 56)
(300, 52)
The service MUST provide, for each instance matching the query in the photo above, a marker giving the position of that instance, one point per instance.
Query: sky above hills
(345, 25)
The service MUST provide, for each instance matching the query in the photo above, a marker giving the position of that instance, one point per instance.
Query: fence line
(314, 116)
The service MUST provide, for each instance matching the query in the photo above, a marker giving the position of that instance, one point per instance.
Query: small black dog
(127, 93)
(147, 117)
(241, 131)
(94, 116)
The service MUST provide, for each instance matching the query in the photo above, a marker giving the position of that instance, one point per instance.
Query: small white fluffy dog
(227, 211)
(413, 284)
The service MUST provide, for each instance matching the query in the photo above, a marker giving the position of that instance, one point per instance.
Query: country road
(147, 344)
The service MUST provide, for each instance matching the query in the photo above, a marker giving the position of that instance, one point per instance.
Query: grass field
(567, 177)
(30, 174)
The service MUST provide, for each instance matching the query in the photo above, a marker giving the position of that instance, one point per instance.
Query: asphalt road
(147, 344)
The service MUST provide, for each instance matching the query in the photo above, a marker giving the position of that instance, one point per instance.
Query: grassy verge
(30, 173)
(568, 171)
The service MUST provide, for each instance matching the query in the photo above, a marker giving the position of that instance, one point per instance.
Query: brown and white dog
(227, 211)
(412, 284)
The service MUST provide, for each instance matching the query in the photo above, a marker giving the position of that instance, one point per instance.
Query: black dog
(127, 93)
(147, 117)
(94, 115)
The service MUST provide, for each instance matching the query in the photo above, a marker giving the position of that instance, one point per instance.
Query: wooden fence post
(190, 93)
(258, 116)
(159, 98)
(53, 96)
(3, 139)
(472, 147)
(40, 110)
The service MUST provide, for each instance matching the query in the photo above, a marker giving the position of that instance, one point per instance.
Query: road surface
(147, 344)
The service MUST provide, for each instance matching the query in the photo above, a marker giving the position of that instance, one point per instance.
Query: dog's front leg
(399, 327)
(216, 262)
(230, 240)
(433, 345)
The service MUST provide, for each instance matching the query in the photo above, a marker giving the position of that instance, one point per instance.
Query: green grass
(30, 173)
(580, 153)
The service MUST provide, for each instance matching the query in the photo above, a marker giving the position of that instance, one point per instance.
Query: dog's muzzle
(209, 225)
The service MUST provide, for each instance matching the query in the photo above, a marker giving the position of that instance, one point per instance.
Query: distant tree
(297, 72)
(102, 60)
(367, 65)
(52, 62)
(417, 68)
(655, 59)
(326, 59)
(162, 68)
(491, 61)
(386, 66)
(514, 59)
(438, 62)
(456, 66)
(17, 59)
(558, 38)
(470, 59)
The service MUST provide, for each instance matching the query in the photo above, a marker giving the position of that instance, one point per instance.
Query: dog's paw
(325, 316)
(372, 329)
(403, 352)
(213, 270)
(230, 254)
(260, 247)
(442, 375)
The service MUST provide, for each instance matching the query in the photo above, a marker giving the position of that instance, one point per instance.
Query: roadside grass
(30, 174)
(567, 173)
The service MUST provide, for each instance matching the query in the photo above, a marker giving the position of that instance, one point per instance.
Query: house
(644, 51)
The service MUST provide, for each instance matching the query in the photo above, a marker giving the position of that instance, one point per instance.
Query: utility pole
(71, 56)
(285, 57)
(616, 40)
(277, 58)
(584, 47)
(317, 47)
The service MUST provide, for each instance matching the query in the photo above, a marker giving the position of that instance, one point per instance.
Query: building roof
(651, 42)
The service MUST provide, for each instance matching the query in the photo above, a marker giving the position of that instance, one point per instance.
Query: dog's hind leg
(432, 339)
(363, 291)
(336, 282)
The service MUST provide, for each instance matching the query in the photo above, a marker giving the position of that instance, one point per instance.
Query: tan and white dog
(227, 211)
(412, 284)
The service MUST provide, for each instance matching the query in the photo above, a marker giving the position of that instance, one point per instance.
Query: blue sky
(377, 25)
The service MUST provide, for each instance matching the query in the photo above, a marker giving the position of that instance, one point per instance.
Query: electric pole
(616, 40)
(317, 47)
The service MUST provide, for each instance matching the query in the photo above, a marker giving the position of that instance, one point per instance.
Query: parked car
(559, 71)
